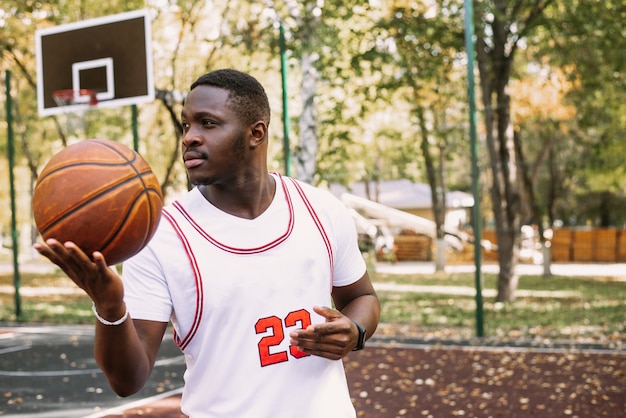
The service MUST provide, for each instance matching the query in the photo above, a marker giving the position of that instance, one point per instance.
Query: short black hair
(246, 97)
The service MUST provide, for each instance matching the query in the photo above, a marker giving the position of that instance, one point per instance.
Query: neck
(246, 199)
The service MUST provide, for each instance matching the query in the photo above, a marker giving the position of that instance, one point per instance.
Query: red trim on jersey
(235, 250)
(183, 342)
(319, 225)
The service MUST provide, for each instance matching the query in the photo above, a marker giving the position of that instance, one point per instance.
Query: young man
(246, 266)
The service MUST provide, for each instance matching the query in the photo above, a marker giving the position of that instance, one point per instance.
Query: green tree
(38, 138)
(427, 72)
(501, 27)
(591, 41)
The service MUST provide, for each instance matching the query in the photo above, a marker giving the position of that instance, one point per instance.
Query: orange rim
(69, 94)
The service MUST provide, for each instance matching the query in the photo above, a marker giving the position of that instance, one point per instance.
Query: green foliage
(378, 63)
(585, 41)
(429, 60)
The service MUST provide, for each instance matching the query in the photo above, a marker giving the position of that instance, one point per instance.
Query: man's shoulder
(322, 201)
(183, 198)
(313, 191)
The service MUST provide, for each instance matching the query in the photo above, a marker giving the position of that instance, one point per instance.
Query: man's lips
(192, 159)
(194, 162)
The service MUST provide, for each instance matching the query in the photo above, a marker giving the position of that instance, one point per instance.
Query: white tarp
(394, 218)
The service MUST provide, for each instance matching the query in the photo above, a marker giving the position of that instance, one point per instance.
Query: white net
(75, 105)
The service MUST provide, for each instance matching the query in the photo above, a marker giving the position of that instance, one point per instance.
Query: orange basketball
(101, 195)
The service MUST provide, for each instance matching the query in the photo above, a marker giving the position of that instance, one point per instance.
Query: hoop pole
(135, 123)
(283, 73)
(476, 215)
(14, 236)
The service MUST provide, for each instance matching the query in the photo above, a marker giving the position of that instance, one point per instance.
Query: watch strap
(362, 333)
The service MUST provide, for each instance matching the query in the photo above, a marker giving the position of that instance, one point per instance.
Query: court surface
(50, 372)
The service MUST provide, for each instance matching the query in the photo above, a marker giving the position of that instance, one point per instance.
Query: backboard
(111, 55)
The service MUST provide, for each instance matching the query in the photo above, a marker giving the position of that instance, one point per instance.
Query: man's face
(214, 142)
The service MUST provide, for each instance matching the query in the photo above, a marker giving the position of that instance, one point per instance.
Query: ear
(258, 134)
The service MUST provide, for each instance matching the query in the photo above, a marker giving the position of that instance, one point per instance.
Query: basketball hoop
(70, 97)
(75, 103)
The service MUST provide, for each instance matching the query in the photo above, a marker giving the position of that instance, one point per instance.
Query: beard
(239, 147)
(237, 151)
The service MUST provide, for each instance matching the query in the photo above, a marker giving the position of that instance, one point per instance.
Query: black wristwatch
(361, 342)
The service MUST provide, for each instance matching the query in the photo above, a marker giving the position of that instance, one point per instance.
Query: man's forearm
(122, 357)
(366, 311)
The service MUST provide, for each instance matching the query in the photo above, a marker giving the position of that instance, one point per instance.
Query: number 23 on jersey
(277, 327)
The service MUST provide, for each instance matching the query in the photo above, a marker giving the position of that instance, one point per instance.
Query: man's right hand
(102, 283)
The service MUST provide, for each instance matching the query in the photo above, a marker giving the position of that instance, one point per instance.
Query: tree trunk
(552, 193)
(535, 210)
(436, 188)
(440, 212)
(494, 69)
(305, 156)
(502, 25)
(169, 102)
(508, 256)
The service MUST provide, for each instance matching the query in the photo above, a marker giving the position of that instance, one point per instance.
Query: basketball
(101, 195)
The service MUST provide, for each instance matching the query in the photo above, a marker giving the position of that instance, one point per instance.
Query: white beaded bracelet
(104, 321)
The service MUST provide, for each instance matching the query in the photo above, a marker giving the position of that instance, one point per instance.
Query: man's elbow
(125, 388)
(126, 384)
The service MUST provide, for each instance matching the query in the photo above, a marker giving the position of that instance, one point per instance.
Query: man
(246, 266)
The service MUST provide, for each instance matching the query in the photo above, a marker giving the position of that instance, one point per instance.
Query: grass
(589, 309)
(45, 299)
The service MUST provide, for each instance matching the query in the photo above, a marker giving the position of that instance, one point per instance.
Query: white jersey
(234, 288)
